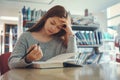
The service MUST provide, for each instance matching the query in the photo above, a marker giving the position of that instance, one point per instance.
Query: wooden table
(91, 72)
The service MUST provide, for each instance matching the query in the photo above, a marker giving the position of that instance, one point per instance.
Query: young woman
(53, 33)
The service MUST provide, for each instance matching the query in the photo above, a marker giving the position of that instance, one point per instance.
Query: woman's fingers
(67, 25)
(37, 51)
(31, 47)
(64, 20)
(35, 54)
(34, 51)
(38, 54)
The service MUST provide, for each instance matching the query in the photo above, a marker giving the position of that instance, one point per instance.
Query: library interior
(92, 51)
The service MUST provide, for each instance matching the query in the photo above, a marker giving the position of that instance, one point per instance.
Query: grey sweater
(49, 49)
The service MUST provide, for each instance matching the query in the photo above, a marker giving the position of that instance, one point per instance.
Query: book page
(62, 57)
(54, 62)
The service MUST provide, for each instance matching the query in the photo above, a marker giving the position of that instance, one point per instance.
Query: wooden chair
(4, 62)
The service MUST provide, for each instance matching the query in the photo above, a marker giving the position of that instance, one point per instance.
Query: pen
(29, 51)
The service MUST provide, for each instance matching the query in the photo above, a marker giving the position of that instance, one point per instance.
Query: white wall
(102, 19)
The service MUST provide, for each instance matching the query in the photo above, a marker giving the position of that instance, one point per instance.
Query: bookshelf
(88, 33)
(7, 28)
(30, 16)
(88, 37)
(28, 24)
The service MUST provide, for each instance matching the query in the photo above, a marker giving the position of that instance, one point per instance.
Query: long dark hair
(58, 11)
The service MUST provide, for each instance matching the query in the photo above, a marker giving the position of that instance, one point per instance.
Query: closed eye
(52, 23)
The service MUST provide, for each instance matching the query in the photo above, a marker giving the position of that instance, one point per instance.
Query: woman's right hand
(35, 54)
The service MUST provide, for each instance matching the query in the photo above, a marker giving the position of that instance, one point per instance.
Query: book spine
(100, 37)
(24, 13)
(29, 14)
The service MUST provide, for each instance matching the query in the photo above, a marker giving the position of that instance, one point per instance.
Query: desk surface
(91, 72)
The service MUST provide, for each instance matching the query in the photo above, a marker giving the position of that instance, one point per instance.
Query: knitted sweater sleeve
(19, 50)
(72, 46)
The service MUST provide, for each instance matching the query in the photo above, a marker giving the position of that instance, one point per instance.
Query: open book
(59, 61)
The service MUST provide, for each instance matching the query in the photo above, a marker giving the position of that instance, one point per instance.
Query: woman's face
(53, 25)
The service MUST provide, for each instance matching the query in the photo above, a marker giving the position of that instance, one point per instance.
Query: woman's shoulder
(25, 35)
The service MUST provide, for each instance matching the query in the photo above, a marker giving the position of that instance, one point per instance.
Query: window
(113, 18)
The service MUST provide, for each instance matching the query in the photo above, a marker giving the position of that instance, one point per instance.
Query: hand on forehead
(65, 20)
(58, 21)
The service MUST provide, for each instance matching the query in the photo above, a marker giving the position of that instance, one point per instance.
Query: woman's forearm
(66, 37)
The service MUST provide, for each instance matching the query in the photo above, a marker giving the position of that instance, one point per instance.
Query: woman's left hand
(67, 26)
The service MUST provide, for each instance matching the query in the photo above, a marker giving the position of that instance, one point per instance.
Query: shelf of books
(31, 16)
(88, 37)
(28, 24)
(10, 36)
